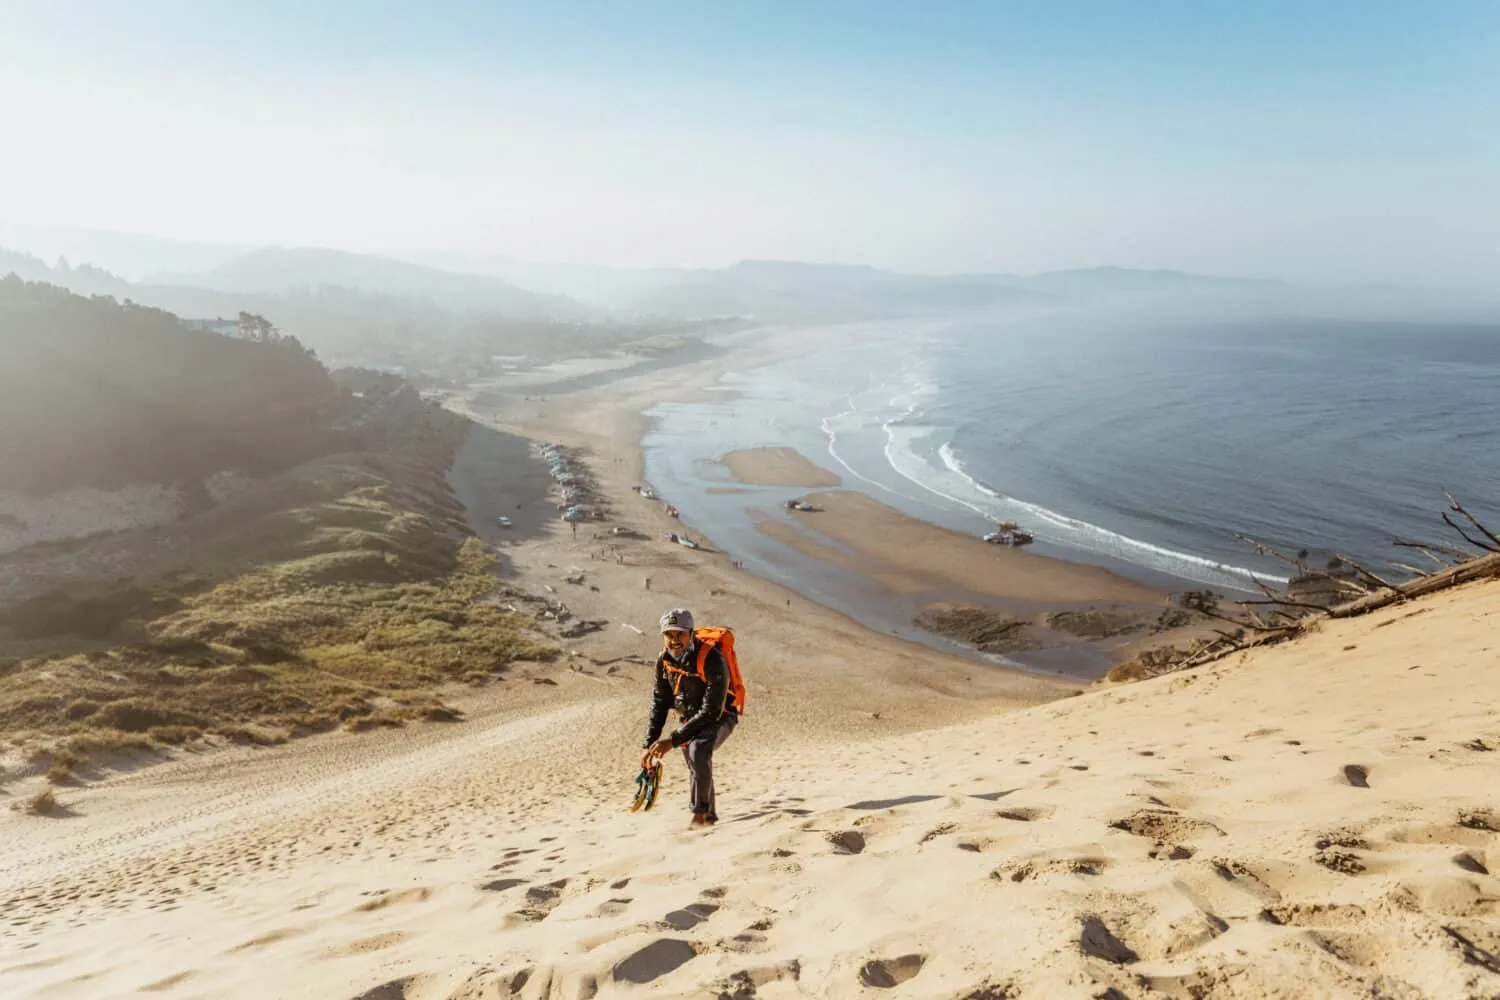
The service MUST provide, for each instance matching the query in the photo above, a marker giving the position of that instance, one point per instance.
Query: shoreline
(874, 588)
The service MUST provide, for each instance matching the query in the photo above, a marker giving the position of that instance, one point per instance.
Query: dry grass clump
(344, 592)
(43, 803)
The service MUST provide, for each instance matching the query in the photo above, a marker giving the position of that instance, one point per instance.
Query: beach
(899, 818)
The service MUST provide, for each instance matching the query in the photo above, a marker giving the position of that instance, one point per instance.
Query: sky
(1325, 140)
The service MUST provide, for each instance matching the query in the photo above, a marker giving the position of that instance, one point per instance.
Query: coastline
(904, 589)
(900, 684)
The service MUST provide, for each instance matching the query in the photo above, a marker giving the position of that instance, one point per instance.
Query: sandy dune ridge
(1315, 820)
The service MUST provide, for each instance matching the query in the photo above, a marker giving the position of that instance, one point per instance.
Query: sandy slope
(1314, 820)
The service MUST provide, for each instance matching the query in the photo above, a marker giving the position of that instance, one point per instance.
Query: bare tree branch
(1286, 603)
(1435, 552)
(1369, 575)
(1477, 543)
(1458, 508)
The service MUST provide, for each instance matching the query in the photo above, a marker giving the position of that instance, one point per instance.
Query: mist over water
(1144, 446)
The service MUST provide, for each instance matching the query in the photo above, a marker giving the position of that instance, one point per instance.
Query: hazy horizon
(1336, 143)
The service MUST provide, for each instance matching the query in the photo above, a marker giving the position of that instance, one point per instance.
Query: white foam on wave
(904, 424)
(830, 427)
(1092, 537)
(912, 385)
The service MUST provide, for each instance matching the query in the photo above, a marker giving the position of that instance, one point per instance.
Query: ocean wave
(830, 427)
(896, 407)
(1069, 531)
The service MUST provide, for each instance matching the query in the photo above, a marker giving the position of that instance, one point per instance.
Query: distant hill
(789, 290)
(1110, 280)
(84, 279)
(606, 288)
(281, 271)
(95, 393)
(794, 290)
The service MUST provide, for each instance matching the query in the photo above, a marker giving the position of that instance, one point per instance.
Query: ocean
(1142, 445)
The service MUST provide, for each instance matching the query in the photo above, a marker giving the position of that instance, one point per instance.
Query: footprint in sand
(655, 960)
(885, 973)
(264, 940)
(938, 831)
(1165, 825)
(364, 946)
(162, 985)
(847, 842)
(743, 985)
(749, 939)
(1361, 950)
(613, 907)
(394, 898)
(501, 884)
(1024, 871)
(1162, 851)
(1333, 915)
(1098, 941)
(690, 916)
(1469, 863)
(396, 989)
(1479, 819)
(1240, 875)
(1025, 814)
(543, 899)
(1357, 775)
(1335, 851)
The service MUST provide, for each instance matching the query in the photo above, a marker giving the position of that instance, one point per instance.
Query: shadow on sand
(495, 474)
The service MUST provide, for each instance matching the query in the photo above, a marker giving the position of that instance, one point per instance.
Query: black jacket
(699, 705)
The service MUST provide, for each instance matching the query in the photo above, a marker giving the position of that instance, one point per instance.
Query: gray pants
(699, 754)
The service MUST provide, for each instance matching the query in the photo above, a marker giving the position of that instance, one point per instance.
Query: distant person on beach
(696, 681)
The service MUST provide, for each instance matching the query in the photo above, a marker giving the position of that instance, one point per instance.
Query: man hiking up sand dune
(694, 675)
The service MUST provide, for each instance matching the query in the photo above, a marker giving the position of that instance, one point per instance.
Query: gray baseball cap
(677, 619)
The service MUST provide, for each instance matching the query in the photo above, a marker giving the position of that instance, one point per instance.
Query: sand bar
(911, 556)
(778, 467)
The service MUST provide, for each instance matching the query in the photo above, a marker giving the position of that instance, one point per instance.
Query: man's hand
(655, 753)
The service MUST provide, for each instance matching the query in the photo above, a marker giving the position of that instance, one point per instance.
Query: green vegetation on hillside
(345, 590)
(326, 596)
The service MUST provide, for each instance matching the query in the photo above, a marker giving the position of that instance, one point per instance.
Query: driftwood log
(1364, 589)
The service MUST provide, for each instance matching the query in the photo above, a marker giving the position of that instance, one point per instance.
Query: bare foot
(699, 821)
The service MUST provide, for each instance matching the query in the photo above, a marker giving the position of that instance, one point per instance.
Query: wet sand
(778, 467)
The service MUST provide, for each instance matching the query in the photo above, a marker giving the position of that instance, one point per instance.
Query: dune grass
(345, 592)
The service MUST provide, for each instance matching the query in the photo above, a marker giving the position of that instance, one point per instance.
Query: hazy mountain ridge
(281, 271)
(780, 290)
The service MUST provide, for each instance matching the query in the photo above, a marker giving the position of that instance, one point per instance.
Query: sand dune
(1317, 819)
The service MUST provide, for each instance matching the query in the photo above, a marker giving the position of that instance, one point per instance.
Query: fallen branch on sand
(1362, 591)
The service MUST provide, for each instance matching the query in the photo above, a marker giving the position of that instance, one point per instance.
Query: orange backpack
(722, 638)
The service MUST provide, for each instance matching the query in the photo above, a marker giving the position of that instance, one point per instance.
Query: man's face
(677, 641)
